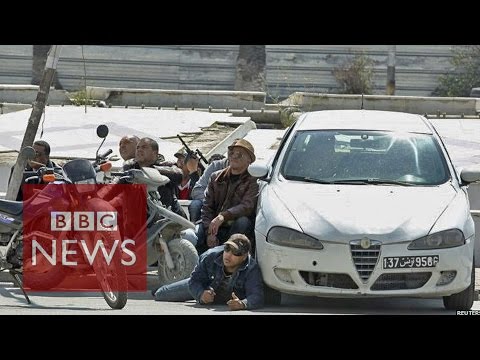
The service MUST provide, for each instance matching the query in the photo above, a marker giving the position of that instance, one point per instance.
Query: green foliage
(464, 76)
(355, 76)
(80, 98)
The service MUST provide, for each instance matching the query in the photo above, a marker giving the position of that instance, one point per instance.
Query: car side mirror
(470, 174)
(258, 170)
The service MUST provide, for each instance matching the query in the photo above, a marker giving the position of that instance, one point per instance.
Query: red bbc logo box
(91, 239)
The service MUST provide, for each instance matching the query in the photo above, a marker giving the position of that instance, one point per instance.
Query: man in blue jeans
(226, 274)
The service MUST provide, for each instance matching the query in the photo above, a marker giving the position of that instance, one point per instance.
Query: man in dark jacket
(226, 274)
(42, 158)
(147, 155)
(230, 200)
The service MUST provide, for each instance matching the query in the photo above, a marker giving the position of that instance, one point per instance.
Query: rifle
(196, 154)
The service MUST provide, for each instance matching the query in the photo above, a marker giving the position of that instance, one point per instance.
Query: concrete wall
(290, 68)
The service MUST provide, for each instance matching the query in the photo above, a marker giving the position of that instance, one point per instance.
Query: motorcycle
(112, 280)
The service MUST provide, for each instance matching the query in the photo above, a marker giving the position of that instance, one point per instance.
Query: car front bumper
(332, 272)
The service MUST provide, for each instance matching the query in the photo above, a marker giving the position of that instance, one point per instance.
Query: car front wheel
(464, 299)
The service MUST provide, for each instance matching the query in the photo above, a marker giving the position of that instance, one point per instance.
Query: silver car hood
(341, 213)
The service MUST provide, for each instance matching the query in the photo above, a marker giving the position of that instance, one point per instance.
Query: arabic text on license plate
(402, 262)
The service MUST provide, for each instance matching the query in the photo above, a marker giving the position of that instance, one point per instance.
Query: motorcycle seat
(11, 207)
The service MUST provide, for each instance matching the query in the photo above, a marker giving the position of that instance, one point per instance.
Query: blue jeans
(195, 210)
(177, 291)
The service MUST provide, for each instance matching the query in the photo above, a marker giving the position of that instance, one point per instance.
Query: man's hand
(215, 224)
(235, 303)
(192, 164)
(208, 296)
(212, 241)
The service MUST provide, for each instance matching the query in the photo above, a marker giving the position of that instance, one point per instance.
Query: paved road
(12, 302)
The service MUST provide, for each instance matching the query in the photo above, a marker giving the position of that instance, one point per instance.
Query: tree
(250, 70)
(40, 53)
(355, 76)
(464, 76)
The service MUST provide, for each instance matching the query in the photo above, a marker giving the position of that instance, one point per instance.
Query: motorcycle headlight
(282, 236)
(440, 240)
(86, 186)
(86, 181)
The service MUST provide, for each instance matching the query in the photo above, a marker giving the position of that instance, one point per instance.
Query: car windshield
(365, 157)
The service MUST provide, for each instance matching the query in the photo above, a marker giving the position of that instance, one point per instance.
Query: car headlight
(440, 240)
(287, 237)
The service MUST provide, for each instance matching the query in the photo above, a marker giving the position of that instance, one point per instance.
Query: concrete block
(409, 104)
(26, 94)
(180, 98)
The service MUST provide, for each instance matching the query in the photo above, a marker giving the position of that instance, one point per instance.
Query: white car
(365, 203)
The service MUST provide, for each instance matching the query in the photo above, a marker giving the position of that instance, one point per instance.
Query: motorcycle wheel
(185, 258)
(51, 277)
(113, 278)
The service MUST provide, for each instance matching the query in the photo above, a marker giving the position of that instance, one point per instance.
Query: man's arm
(174, 173)
(198, 191)
(199, 279)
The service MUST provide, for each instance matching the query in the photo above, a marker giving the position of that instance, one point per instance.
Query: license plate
(403, 262)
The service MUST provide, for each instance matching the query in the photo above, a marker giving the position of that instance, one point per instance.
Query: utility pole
(391, 70)
(34, 120)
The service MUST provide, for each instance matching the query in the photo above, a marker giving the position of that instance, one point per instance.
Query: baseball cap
(240, 243)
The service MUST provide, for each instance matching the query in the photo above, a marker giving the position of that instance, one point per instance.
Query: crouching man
(225, 274)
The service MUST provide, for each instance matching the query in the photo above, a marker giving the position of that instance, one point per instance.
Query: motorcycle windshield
(79, 169)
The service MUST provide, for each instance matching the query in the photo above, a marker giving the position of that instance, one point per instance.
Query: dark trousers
(242, 225)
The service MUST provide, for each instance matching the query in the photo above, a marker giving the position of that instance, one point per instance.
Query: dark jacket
(167, 192)
(50, 164)
(246, 282)
(232, 199)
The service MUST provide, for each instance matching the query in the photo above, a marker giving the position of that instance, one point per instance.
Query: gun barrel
(190, 152)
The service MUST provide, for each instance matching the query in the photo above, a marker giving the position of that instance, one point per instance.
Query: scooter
(176, 257)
